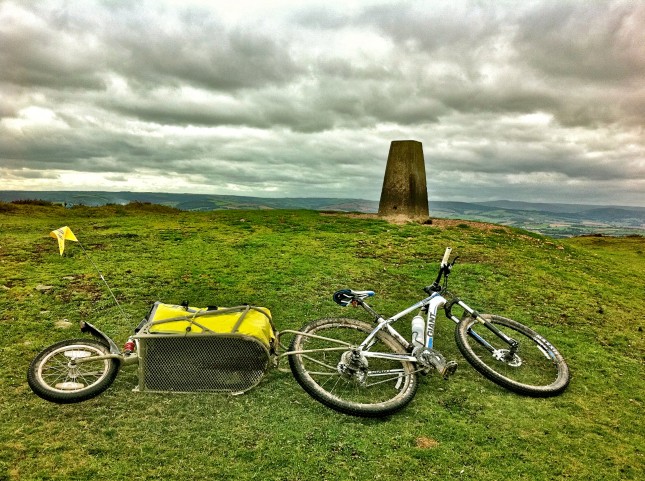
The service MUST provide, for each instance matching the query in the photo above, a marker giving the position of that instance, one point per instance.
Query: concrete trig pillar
(404, 191)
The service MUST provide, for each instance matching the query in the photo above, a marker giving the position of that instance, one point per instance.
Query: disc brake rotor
(504, 355)
(353, 367)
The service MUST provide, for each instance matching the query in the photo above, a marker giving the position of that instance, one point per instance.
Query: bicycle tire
(52, 376)
(537, 369)
(319, 373)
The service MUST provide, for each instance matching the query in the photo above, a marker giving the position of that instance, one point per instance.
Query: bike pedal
(449, 369)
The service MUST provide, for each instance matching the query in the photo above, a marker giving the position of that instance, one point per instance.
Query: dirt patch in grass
(398, 220)
(424, 442)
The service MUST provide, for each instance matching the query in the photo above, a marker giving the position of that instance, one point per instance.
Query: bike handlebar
(444, 270)
(446, 257)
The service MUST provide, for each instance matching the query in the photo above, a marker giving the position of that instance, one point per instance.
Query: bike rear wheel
(341, 378)
(536, 369)
(55, 376)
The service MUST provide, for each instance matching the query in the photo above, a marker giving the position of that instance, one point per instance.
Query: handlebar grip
(446, 256)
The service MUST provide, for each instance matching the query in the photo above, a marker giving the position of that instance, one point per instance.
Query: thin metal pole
(105, 282)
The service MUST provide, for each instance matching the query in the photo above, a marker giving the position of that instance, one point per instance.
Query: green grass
(584, 294)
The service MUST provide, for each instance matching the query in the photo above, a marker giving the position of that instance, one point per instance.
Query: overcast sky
(530, 100)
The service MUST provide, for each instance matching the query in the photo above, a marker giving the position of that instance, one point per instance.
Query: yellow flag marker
(65, 233)
(62, 234)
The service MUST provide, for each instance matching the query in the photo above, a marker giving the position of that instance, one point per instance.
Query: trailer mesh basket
(191, 350)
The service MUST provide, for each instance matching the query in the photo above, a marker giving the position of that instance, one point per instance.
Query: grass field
(586, 295)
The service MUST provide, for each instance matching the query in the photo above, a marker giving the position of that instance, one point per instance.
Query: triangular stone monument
(405, 193)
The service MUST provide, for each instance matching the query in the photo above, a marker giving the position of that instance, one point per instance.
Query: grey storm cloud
(304, 98)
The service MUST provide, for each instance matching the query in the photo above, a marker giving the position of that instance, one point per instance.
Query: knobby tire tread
(463, 343)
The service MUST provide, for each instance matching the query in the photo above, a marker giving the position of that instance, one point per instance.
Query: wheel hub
(73, 375)
(504, 355)
(353, 366)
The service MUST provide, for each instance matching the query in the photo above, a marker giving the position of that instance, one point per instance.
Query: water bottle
(418, 328)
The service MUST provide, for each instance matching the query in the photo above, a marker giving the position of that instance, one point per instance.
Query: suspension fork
(512, 343)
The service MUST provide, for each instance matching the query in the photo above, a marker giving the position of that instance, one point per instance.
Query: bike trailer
(187, 349)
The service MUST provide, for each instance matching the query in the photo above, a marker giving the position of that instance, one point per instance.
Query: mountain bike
(365, 370)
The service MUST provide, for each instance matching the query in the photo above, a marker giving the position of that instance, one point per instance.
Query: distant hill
(197, 202)
(541, 206)
(557, 220)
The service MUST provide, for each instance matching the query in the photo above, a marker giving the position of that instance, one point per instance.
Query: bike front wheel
(56, 376)
(330, 368)
(535, 369)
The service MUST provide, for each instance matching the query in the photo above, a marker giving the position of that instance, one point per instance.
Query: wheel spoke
(319, 362)
(349, 381)
(55, 376)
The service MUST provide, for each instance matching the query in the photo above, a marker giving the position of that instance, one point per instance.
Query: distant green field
(586, 295)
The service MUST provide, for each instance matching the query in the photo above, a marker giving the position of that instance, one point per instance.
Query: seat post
(368, 308)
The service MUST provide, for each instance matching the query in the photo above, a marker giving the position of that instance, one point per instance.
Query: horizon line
(320, 197)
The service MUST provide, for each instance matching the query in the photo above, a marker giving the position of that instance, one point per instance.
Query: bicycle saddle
(345, 296)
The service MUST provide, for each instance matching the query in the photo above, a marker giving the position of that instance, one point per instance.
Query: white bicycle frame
(431, 304)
